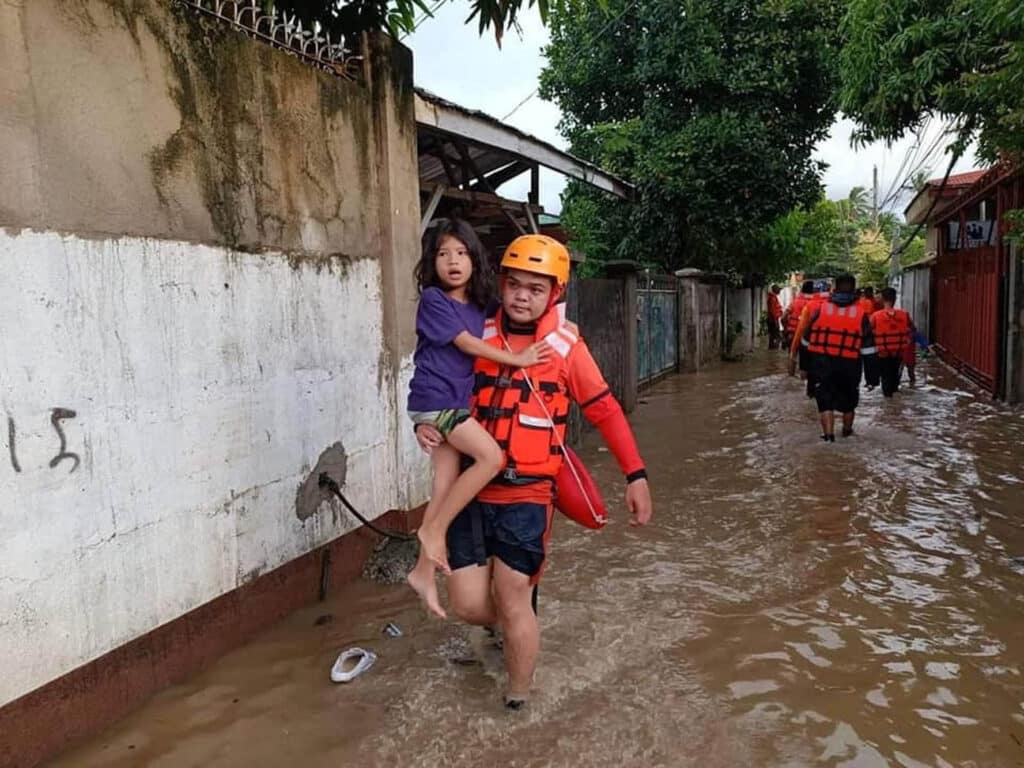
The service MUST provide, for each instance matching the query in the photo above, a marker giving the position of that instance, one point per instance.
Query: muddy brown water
(795, 604)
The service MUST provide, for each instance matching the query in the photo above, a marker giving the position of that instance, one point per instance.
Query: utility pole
(894, 264)
(874, 204)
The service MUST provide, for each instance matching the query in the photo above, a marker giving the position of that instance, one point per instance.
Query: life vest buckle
(510, 474)
(504, 382)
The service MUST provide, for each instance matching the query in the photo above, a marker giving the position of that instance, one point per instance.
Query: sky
(454, 62)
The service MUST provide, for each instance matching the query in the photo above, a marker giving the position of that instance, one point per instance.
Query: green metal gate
(658, 326)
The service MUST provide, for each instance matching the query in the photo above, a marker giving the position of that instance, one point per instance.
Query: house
(974, 286)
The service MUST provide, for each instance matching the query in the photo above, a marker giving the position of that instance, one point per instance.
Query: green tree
(711, 108)
(871, 258)
(857, 206)
(905, 60)
(350, 17)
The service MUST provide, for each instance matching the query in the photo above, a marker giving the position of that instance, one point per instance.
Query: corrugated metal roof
(494, 145)
(964, 179)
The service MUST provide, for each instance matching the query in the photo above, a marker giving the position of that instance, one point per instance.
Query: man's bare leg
(512, 594)
(848, 423)
(470, 595)
(828, 423)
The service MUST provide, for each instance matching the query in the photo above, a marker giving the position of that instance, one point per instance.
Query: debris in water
(351, 664)
(324, 618)
(391, 561)
(392, 630)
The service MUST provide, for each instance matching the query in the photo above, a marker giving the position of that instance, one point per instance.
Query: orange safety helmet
(539, 254)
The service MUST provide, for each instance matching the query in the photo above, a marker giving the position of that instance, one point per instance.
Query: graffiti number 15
(57, 415)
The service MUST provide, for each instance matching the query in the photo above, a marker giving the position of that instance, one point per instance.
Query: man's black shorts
(806, 359)
(836, 384)
(513, 533)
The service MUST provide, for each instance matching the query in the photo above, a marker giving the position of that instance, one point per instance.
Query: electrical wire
(596, 37)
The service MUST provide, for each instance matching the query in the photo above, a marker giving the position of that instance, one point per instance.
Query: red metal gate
(968, 327)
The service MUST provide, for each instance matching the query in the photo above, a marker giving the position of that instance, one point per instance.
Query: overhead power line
(596, 37)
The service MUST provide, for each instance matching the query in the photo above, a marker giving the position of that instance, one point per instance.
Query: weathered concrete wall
(915, 297)
(206, 248)
(700, 321)
(740, 307)
(605, 310)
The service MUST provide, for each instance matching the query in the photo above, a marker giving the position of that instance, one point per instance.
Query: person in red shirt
(774, 316)
(497, 546)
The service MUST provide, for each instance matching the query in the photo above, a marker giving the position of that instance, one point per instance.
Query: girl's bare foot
(421, 579)
(433, 548)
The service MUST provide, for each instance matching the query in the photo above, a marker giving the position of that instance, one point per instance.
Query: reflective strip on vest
(561, 341)
(533, 421)
(490, 330)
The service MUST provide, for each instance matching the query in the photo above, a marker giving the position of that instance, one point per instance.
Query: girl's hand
(535, 353)
(428, 437)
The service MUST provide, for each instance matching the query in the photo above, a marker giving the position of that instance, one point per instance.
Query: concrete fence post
(626, 272)
(689, 319)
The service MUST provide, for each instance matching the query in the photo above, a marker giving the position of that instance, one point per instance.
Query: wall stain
(310, 496)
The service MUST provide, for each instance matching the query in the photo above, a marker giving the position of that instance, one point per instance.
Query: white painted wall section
(205, 383)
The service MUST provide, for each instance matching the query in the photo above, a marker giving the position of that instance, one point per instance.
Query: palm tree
(857, 206)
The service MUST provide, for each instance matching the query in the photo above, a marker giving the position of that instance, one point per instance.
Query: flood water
(793, 604)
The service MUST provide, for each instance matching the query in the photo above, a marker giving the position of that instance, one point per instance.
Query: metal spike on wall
(283, 31)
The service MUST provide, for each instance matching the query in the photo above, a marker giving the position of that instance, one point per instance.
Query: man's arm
(807, 319)
(599, 407)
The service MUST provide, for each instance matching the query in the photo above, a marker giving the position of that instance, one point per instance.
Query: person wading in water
(840, 337)
(497, 545)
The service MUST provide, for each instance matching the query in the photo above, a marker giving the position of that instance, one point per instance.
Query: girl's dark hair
(481, 282)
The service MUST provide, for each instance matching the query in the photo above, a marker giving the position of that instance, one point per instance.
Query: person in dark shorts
(894, 332)
(497, 545)
(840, 337)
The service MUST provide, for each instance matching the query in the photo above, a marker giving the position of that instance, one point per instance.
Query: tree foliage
(351, 17)
(904, 60)
(711, 108)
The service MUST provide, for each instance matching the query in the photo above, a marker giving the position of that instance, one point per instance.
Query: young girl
(455, 287)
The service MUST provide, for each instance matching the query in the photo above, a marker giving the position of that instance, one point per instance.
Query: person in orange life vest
(894, 333)
(497, 545)
(774, 316)
(791, 315)
(839, 335)
(798, 345)
(866, 301)
(875, 295)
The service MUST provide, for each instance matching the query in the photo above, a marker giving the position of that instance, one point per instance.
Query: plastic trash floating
(351, 664)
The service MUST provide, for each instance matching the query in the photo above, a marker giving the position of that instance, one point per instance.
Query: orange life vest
(866, 305)
(525, 421)
(837, 331)
(795, 308)
(892, 331)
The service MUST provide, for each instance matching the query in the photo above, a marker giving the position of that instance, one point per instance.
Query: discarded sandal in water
(351, 664)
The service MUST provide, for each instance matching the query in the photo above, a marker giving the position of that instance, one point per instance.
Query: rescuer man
(497, 545)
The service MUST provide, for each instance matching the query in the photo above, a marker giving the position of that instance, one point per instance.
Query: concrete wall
(700, 321)
(206, 248)
(915, 297)
(742, 306)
